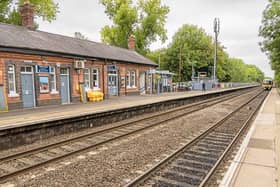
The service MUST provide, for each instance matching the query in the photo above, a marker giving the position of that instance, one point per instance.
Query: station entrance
(27, 86)
(113, 81)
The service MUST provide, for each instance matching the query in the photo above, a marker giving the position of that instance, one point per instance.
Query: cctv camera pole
(216, 31)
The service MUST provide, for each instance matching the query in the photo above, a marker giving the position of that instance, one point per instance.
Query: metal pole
(216, 31)
(180, 64)
(159, 61)
(215, 58)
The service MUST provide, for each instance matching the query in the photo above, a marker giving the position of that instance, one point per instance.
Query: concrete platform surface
(257, 162)
(39, 114)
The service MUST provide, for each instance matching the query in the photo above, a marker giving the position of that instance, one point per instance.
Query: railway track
(18, 163)
(195, 162)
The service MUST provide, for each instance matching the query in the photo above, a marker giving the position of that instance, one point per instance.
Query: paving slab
(36, 115)
(257, 162)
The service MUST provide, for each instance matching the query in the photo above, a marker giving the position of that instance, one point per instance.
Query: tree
(238, 71)
(9, 10)
(158, 56)
(191, 46)
(145, 20)
(80, 36)
(270, 31)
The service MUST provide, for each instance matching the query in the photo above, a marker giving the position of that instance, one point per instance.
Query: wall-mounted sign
(111, 67)
(44, 84)
(43, 69)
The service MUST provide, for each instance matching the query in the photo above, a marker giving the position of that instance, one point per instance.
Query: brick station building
(39, 68)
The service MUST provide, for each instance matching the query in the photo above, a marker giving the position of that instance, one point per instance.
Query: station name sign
(43, 69)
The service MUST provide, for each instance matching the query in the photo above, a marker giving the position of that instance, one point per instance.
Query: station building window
(87, 78)
(12, 81)
(131, 79)
(53, 80)
(95, 76)
(128, 79)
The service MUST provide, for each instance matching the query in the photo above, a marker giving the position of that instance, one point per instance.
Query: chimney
(27, 15)
(131, 43)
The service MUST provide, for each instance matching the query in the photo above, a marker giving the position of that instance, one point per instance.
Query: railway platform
(257, 162)
(23, 117)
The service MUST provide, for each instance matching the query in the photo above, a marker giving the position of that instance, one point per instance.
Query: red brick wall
(75, 78)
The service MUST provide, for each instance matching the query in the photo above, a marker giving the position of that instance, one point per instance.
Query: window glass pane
(28, 69)
(128, 78)
(95, 77)
(52, 77)
(11, 69)
(64, 71)
(22, 69)
(87, 78)
(133, 78)
(11, 80)
(52, 70)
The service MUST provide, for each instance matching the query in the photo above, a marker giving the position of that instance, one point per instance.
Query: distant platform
(40, 114)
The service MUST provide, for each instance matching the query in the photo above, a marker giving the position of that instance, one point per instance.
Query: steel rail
(142, 178)
(59, 157)
(53, 145)
(230, 146)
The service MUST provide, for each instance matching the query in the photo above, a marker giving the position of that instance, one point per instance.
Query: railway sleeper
(189, 171)
(199, 157)
(204, 153)
(163, 182)
(184, 178)
(194, 164)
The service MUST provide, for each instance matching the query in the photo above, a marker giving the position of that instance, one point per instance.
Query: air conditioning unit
(79, 64)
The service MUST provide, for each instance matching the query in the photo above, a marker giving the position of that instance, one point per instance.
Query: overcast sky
(240, 21)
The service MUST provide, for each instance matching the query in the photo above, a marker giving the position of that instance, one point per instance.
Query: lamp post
(216, 31)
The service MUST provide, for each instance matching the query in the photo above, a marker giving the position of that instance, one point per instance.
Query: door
(113, 83)
(27, 87)
(142, 83)
(64, 85)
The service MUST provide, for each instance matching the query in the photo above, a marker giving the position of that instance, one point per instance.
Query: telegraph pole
(216, 31)
(180, 64)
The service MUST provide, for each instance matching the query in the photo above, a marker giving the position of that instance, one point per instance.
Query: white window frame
(128, 75)
(133, 79)
(87, 86)
(95, 82)
(14, 92)
(53, 82)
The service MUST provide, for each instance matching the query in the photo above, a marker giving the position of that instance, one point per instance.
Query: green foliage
(46, 9)
(158, 56)
(4, 9)
(270, 31)
(145, 20)
(195, 47)
(238, 71)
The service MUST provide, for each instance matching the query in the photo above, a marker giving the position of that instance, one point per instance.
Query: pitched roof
(12, 36)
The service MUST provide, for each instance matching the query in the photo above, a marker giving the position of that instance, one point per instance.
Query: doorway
(27, 86)
(112, 83)
(64, 88)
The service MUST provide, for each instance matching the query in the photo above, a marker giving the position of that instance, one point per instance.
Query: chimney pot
(131, 42)
(27, 15)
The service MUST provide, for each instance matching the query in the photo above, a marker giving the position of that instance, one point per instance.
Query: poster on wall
(44, 84)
